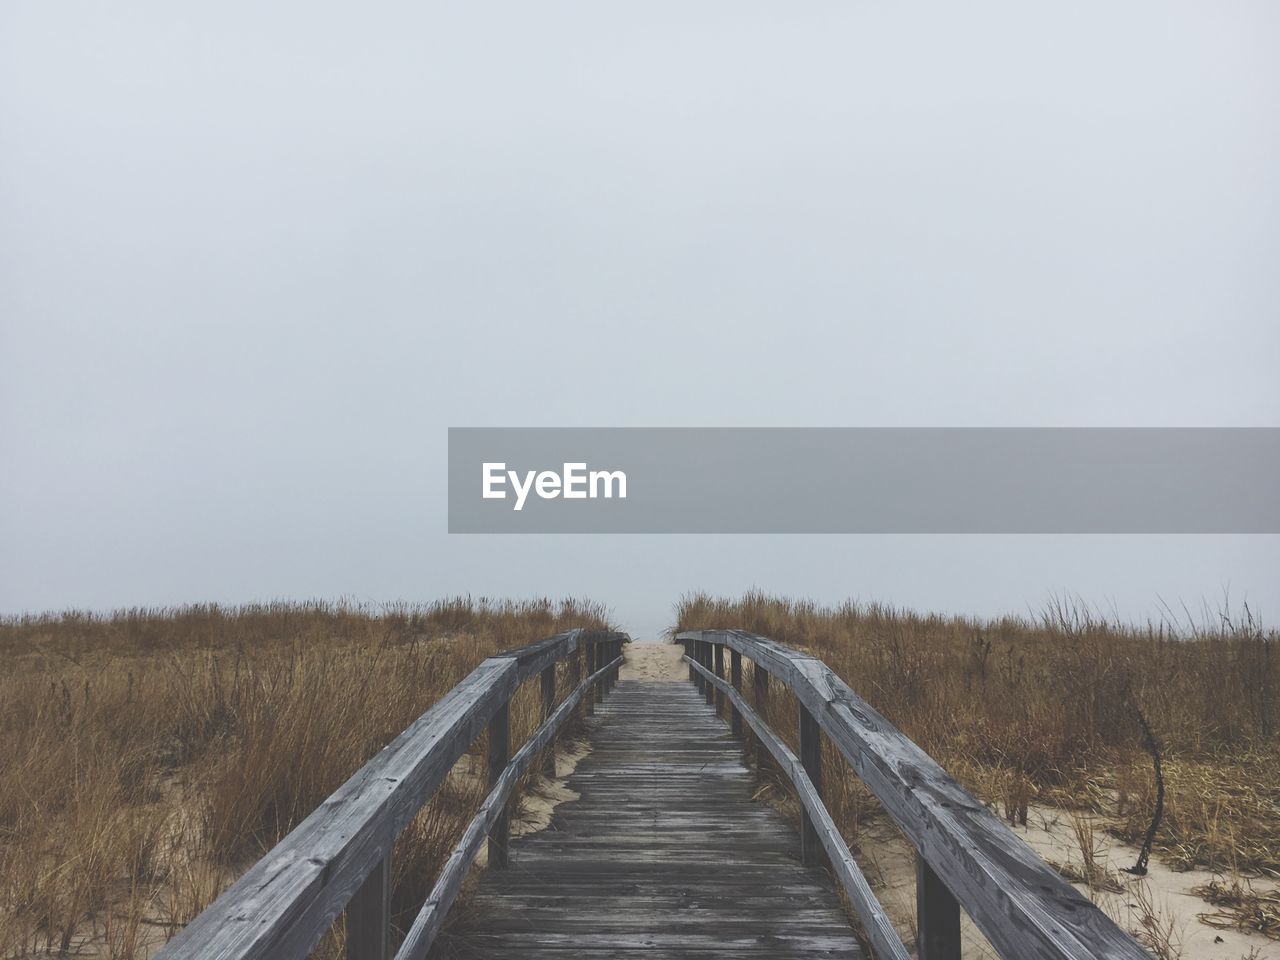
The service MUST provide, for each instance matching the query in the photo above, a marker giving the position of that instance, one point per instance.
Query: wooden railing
(339, 858)
(966, 857)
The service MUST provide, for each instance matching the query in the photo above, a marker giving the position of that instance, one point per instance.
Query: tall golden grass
(148, 756)
(1020, 709)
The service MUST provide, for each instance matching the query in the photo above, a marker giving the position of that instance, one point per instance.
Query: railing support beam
(735, 677)
(718, 652)
(369, 916)
(811, 760)
(499, 754)
(760, 681)
(615, 651)
(707, 659)
(548, 707)
(885, 941)
(937, 916)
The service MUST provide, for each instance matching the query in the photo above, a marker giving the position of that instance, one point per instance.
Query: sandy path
(654, 663)
(543, 796)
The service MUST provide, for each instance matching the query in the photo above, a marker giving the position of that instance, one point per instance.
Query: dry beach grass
(149, 756)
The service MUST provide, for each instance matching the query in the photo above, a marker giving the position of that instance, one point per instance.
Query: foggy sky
(255, 260)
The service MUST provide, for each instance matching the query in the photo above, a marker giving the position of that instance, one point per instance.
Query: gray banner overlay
(856, 480)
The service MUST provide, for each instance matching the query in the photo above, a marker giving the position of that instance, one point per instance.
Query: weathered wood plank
(287, 900)
(533, 658)
(369, 916)
(284, 903)
(810, 735)
(592, 653)
(937, 916)
(426, 925)
(718, 660)
(1020, 903)
(735, 677)
(666, 853)
(880, 931)
(499, 755)
(548, 691)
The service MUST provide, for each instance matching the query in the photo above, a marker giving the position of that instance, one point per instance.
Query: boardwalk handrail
(427, 924)
(875, 922)
(966, 856)
(339, 857)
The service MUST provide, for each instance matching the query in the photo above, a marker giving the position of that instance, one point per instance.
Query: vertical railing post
(735, 677)
(575, 676)
(720, 674)
(937, 916)
(369, 916)
(499, 754)
(548, 707)
(811, 760)
(689, 652)
(760, 680)
(708, 656)
(589, 698)
(601, 651)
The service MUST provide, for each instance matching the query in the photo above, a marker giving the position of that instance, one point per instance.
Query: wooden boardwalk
(665, 855)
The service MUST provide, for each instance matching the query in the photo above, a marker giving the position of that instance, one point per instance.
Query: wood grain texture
(548, 691)
(534, 657)
(735, 678)
(498, 758)
(426, 925)
(1020, 903)
(665, 854)
(937, 916)
(884, 939)
(810, 735)
(369, 916)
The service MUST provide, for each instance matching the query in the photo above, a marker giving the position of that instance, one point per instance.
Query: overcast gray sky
(255, 259)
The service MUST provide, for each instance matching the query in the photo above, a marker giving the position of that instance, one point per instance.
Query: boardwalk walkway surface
(665, 855)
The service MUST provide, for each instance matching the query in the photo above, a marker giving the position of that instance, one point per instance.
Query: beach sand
(654, 663)
(889, 863)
